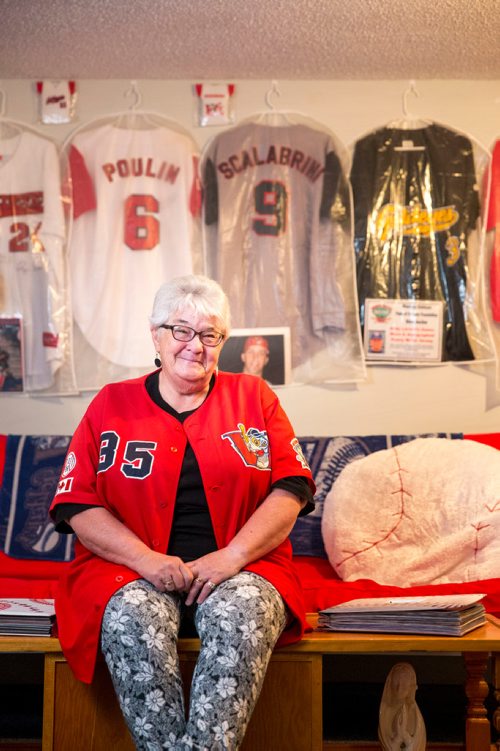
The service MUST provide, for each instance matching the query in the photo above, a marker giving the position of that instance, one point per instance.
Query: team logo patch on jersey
(70, 464)
(50, 339)
(299, 453)
(64, 486)
(251, 445)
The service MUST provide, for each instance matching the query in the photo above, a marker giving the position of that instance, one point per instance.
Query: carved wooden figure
(401, 725)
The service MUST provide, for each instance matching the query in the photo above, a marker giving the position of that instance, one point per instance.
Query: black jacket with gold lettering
(415, 204)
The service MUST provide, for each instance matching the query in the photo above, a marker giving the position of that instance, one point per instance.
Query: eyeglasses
(187, 334)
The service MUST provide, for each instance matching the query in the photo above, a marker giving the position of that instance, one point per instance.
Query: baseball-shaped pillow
(423, 512)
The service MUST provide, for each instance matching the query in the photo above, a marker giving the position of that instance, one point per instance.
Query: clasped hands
(198, 578)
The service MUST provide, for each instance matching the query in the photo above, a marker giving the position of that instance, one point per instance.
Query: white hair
(198, 293)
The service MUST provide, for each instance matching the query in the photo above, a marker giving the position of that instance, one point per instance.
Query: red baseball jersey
(493, 223)
(126, 456)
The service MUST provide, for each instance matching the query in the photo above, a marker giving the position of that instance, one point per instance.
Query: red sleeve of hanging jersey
(195, 198)
(81, 186)
(492, 220)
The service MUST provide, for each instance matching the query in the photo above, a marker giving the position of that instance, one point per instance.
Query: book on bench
(26, 616)
(438, 615)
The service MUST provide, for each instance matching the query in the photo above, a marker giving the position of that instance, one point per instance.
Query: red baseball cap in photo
(253, 341)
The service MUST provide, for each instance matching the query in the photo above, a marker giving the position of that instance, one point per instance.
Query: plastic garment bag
(134, 202)
(34, 343)
(416, 208)
(277, 236)
(492, 213)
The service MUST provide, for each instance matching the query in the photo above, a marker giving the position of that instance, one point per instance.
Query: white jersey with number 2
(31, 253)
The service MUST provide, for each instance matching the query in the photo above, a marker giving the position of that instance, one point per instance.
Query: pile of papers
(26, 617)
(440, 615)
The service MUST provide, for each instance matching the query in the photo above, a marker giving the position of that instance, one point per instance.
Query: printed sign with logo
(403, 330)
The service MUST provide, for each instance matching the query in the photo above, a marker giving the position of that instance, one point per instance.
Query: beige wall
(394, 399)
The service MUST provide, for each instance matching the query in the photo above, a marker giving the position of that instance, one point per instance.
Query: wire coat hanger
(271, 115)
(274, 116)
(132, 118)
(409, 121)
(133, 91)
(285, 118)
(412, 89)
(273, 91)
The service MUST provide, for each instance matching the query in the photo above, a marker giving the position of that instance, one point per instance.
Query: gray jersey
(276, 207)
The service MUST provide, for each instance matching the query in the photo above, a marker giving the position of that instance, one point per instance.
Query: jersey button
(173, 449)
(163, 505)
(215, 488)
(156, 543)
(119, 578)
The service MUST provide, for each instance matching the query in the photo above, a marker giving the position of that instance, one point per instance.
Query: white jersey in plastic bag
(31, 256)
(135, 198)
(277, 215)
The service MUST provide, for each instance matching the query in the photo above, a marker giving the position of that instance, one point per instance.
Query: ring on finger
(199, 581)
(211, 585)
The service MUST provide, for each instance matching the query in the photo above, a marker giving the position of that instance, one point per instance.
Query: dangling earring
(157, 360)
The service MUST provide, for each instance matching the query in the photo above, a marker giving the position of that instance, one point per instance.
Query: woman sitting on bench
(182, 487)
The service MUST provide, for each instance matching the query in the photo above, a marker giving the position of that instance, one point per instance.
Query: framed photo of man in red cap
(11, 354)
(263, 352)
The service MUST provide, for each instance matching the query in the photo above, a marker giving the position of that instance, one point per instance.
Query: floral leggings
(238, 625)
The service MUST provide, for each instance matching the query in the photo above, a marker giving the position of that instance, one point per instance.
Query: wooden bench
(288, 716)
